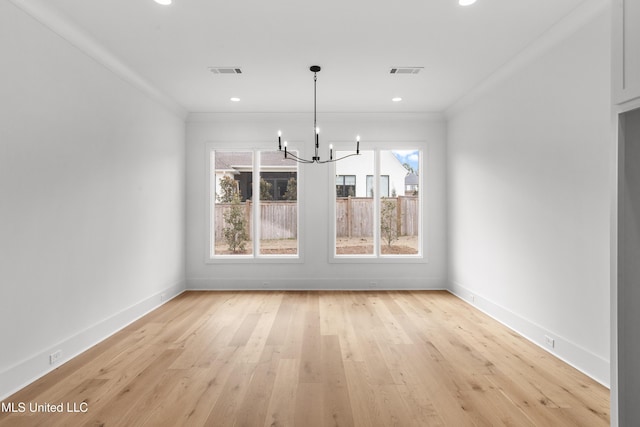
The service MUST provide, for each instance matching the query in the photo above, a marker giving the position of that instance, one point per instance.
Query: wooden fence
(279, 219)
(354, 217)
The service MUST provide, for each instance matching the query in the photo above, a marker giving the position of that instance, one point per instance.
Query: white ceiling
(275, 41)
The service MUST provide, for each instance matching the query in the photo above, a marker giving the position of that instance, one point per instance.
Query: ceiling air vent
(406, 70)
(225, 70)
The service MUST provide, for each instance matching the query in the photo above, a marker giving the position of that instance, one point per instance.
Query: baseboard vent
(405, 70)
(225, 70)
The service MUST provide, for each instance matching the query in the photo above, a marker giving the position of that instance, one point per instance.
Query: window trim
(377, 257)
(255, 256)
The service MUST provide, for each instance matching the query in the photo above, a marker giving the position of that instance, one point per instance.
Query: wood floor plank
(310, 358)
(337, 403)
(281, 411)
(361, 394)
(254, 407)
(280, 326)
(407, 358)
(202, 395)
(225, 411)
(125, 400)
(309, 405)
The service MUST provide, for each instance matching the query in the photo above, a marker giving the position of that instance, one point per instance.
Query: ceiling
(274, 42)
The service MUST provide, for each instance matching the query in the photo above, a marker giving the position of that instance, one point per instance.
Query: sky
(412, 157)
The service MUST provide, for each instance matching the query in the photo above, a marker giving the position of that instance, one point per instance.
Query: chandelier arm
(339, 158)
(297, 159)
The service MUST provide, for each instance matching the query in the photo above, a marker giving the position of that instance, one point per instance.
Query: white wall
(528, 199)
(91, 200)
(316, 188)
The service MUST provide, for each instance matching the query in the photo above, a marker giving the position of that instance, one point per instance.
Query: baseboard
(580, 358)
(28, 371)
(324, 284)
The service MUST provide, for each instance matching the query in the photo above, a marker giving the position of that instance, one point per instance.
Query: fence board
(278, 220)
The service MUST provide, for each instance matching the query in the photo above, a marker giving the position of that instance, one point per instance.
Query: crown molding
(195, 117)
(60, 25)
(565, 27)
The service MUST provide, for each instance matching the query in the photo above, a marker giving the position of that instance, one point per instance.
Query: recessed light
(396, 99)
(466, 2)
(234, 99)
(163, 2)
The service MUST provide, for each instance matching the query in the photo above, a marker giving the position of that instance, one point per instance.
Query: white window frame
(377, 257)
(255, 256)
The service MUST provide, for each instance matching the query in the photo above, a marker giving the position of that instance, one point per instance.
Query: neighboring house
(354, 175)
(239, 165)
(411, 184)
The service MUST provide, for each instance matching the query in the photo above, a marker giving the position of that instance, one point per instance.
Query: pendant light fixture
(315, 69)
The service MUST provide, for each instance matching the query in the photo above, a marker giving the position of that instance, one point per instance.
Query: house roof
(411, 179)
(235, 160)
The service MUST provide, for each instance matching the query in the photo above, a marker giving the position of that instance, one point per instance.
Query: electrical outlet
(163, 297)
(265, 284)
(473, 298)
(373, 284)
(54, 357)
(549, 341)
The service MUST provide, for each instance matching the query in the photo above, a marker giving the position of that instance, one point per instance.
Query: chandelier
(315, 159)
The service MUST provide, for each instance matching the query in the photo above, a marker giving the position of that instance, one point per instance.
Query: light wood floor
(316, 358)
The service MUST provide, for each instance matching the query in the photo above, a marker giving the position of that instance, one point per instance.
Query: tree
(228, 188)
(408, 167)
(235, 230)
(388, 228)
(266, 190)
(292, 189)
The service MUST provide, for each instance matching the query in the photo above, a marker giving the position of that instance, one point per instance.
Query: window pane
(278, 204)
(233, 175)
(399, 207)
(384, 186)
(346, 185)
(354, 207)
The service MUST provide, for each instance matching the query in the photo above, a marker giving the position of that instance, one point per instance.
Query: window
(345, 185)
(384, 185)
(243, 226)
(278, 205)
(354, 215)
(384, 219)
